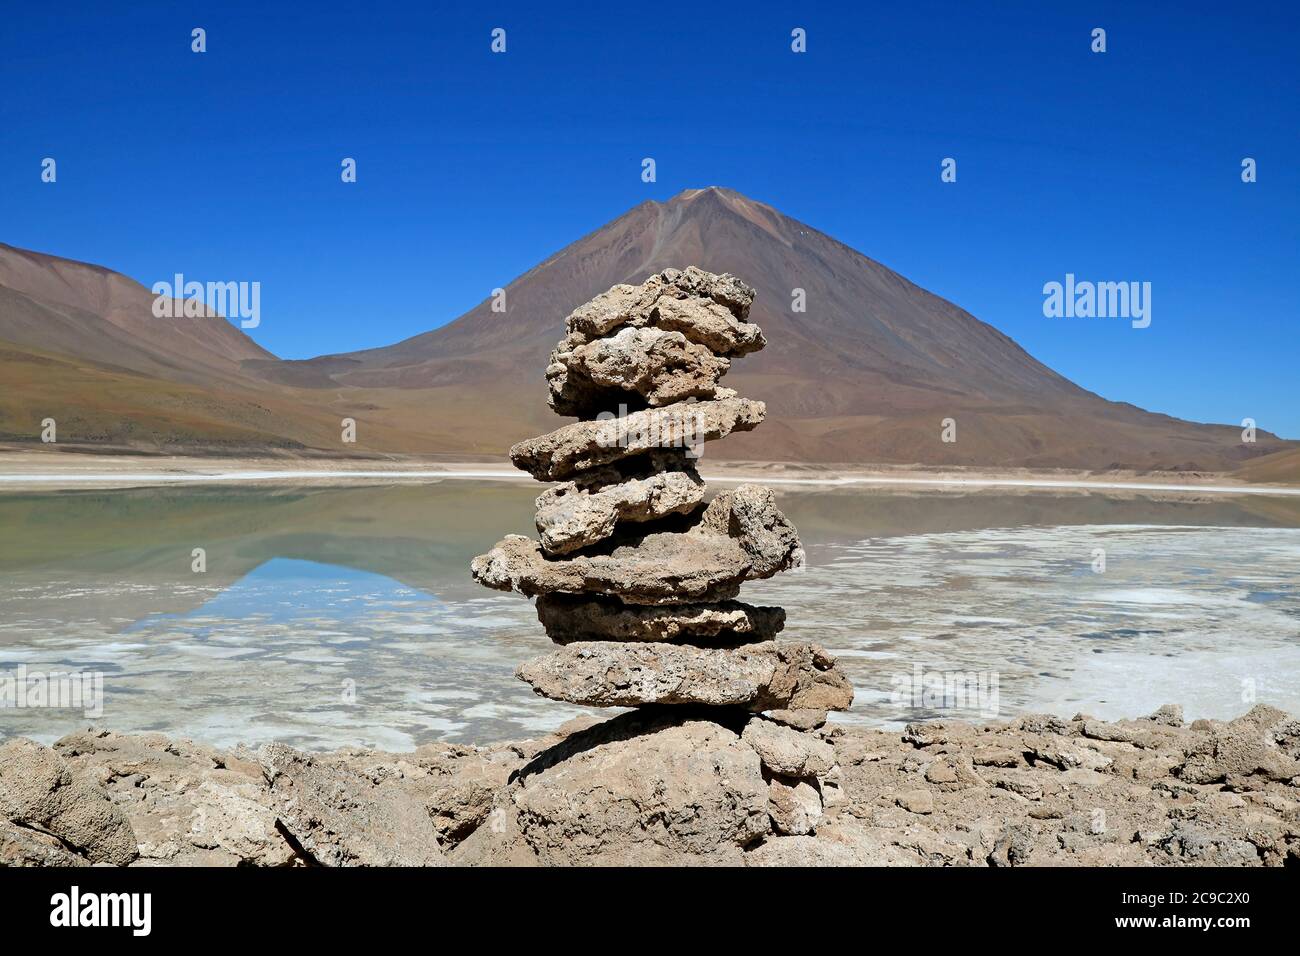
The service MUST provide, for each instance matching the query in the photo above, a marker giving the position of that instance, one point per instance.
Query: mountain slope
(866, 374)
(77, 309)
(80, 344)
(1281, 467)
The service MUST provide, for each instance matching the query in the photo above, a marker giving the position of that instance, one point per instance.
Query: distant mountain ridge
(865, 375)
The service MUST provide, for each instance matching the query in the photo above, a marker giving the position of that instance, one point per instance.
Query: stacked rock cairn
(635, 576)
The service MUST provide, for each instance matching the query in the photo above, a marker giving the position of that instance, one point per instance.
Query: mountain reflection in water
(346, 616)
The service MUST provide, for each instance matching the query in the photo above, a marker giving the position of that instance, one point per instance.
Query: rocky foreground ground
(666, 787)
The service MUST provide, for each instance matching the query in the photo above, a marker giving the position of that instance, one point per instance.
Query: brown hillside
(865, 375)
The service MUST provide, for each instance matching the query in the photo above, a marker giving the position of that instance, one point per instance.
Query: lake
(335, 616)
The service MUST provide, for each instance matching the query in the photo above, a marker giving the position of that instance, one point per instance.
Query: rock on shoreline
(678, 786)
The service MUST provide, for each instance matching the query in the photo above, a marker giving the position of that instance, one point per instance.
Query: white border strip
(148, 478)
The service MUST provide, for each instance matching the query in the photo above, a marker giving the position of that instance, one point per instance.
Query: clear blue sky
(474, 167)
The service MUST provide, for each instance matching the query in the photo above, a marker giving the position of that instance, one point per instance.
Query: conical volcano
(865, 374)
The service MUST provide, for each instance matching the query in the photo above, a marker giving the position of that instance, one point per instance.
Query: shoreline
(55, 482)
(28, 470)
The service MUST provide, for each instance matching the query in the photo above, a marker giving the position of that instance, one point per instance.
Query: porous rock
(740, 536)
(804, 719)
(572, 516)
(1137, 809)
(794, 805)
(765, 676)
(643, 788)
(662, 568)
(563, 453)
(38, 791)
(708, 309)
(1245, 747)
(339, 817)
(788, 752)
(23, 846)
(840, 843)
(188, 804)
(653, 365)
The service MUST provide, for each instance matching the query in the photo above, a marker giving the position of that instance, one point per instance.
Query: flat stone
(708, 324)
(773, 674)
(563, 453)
(726, 623)
(996, 757)
(788, 752)
(571, 516)
(740, 536)
(1140, 733)
(953, 773)
(664, 569)
(1067, 756)
(927, 733)
(651, 365)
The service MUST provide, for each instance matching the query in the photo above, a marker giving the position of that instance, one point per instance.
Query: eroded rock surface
(636, 790)
(335, 816)
(188, 804)
(658, 569)
(567, 451)
(711, 310)
(788, 752)
(795, 806)
(23, 846)
(652, 365)
(572, 516)
(766, 676)
(740, 536)
(38, 792)
(687, 785)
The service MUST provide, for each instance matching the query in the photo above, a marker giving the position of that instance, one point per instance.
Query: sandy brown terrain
(1279, 468)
